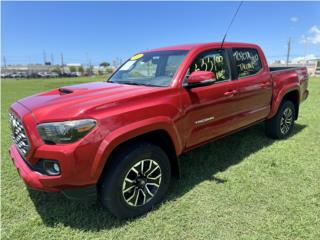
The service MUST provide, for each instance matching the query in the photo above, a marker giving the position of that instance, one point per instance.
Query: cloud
(294, 19)
(305, 58)
(295, 60)
(313, 36)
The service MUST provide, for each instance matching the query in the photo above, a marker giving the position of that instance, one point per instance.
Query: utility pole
(4, 62)
(89, 64)
(62, 64)
(52, 59)
(87, 59)
(44, 57)
(62, 60)
(289, 49)
(29, 62)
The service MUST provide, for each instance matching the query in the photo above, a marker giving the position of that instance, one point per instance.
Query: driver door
(210, 110)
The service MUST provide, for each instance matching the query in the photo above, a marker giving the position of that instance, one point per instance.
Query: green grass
(244, 186)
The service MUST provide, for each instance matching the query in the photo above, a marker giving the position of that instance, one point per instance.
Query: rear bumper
(38, 181)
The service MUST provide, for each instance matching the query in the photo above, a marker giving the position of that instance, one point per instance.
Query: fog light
(51, 167)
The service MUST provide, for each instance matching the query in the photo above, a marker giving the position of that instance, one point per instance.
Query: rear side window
(247, 61)
(214, 61)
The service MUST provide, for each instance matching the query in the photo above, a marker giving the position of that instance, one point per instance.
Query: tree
(72, 69)
(89, 70)
(81, 69)
(109, 70)
(56, 70)
(104, 64)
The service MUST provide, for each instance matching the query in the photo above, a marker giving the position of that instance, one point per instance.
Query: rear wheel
(137, 179)
(281, 125)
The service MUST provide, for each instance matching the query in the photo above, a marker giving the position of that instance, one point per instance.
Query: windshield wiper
(130, 83)
(135, 83)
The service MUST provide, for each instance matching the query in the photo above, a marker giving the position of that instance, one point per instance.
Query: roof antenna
(234, 16)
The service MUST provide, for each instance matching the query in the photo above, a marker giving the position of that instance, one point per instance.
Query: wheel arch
(292, 95)
(161, 133)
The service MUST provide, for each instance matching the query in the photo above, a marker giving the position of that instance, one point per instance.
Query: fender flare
(280, 96)
(127, 132)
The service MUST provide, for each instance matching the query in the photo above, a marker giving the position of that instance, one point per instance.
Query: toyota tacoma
(119, 141)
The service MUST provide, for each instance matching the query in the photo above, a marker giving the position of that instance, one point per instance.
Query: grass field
(244, 186)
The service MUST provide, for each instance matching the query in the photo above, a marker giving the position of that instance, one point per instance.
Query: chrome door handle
(230, 93)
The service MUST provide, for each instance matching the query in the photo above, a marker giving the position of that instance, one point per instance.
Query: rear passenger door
(253, 84)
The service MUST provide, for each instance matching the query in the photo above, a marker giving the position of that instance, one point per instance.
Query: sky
(103, 31)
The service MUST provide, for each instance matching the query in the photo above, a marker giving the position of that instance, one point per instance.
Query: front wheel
(137, 179)
(281, 125)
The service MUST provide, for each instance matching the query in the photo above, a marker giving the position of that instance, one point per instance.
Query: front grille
(19, 135)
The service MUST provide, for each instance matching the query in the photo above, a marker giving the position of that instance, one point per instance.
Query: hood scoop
(68, 90)
(64, 91)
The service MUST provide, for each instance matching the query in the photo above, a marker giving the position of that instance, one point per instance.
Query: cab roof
(203, 45)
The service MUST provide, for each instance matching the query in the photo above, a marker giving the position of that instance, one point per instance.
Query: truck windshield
(149, 69)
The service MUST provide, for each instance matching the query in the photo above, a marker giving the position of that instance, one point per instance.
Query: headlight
(65, 132)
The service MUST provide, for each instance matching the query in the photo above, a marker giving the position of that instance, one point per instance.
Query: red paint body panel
(190, 117)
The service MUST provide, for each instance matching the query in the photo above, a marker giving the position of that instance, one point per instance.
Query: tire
(281, 125)
(125, 189)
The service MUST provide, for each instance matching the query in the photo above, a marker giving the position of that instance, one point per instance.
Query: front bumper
(31, 178)
(41, 182)
(78, 177)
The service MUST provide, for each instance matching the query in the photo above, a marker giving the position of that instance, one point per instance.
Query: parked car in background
(42, 74)
(32, 75)
(121, 140)
(75, 74)
(53, 74)
(16, 75)
(5, 75)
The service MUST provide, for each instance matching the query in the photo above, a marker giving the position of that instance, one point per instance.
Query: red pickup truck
(120, 140)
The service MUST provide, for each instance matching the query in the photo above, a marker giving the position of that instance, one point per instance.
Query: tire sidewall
(284, 106)
(112, 191)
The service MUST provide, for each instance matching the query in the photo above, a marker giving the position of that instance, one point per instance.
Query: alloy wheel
(141, 182)
(286, 121)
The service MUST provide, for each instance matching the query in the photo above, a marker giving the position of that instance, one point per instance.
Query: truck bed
(274, 69)
(296, 77)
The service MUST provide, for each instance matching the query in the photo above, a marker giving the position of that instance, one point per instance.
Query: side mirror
(201, 78)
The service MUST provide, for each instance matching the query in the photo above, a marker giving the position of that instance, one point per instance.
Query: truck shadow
(197, 166)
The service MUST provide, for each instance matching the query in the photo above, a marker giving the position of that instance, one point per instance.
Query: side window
(214, 61)
(247, 61)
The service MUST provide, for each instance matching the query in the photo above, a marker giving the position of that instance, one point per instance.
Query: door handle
(230, 93)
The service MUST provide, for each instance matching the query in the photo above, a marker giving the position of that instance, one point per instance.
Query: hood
(72, 101)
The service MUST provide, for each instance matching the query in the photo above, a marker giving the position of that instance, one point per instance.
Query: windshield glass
(150, 69)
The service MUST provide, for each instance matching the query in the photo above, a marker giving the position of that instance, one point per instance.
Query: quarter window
(214, 61)
(247, 61)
